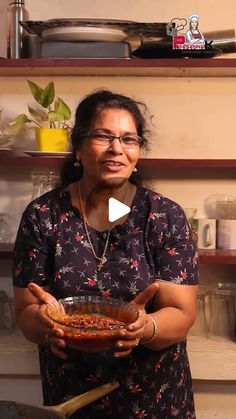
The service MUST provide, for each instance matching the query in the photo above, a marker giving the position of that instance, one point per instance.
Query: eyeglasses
(105, 139)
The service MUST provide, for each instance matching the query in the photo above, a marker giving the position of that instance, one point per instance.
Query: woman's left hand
(137, 330)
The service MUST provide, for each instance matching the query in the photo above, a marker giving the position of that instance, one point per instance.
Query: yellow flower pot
(52, 139)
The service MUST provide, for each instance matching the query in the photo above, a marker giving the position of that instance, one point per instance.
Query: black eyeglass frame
(111, 137)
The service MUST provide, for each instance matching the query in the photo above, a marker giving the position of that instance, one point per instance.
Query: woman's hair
(87, 112)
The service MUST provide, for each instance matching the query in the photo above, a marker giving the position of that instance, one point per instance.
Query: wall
(214, 15)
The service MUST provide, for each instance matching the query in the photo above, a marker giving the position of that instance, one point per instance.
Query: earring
(77, 163)
(135, 169)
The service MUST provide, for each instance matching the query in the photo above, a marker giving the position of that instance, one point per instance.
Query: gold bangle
(154, 333)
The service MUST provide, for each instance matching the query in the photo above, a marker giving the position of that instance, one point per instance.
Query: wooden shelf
(6, 250)
(188, 163)
(8, 158)
(217, 257)
(165, 67)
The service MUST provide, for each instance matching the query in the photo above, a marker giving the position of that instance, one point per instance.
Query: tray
(130, 27)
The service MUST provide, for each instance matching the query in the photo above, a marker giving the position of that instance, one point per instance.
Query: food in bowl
(92, 321)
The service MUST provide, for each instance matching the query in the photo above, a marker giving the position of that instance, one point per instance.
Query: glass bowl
(221, 206)
(91, 321)
(190, 213)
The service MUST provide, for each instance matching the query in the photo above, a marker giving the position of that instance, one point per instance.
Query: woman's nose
(115, 146)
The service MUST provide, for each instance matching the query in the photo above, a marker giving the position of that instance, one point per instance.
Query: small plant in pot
(50, 117)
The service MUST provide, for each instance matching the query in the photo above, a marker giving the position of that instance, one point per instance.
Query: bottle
(16, 37)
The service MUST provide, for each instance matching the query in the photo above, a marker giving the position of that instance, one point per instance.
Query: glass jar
(43, 181)
(199, 328)
(7, 316)
(5, 231)
(222, 317)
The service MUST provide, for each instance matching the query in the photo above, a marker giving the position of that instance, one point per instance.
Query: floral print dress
(155, 242)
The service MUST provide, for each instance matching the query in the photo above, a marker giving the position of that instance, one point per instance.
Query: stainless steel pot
(15, 410)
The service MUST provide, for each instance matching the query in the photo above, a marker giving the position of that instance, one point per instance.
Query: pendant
(102, 261)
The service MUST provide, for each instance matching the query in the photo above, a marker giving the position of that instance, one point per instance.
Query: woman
(193, 34)
(67, 246)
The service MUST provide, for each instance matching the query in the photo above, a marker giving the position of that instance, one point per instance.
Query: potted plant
(50, 117)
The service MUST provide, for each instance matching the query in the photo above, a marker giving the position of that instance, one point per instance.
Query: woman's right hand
(53, 335)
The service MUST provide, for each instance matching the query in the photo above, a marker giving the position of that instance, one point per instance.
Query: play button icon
(116, 209)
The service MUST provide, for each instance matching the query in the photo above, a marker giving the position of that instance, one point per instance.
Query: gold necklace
(102, 259)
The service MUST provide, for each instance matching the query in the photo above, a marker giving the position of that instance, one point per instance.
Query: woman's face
(194, 24)
(102, 162)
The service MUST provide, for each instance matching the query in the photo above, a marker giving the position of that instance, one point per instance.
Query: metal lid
(17, 2)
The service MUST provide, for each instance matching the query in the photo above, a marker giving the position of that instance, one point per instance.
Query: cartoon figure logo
(192, 39)
(194, 35)
(175, 25)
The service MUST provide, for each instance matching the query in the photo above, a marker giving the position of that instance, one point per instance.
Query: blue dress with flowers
(155, 241)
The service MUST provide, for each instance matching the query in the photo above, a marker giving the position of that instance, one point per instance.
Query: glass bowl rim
(94, 299)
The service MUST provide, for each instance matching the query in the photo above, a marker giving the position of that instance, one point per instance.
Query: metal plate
(83, 33)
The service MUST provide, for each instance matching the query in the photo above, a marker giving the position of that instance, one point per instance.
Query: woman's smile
(113, 165)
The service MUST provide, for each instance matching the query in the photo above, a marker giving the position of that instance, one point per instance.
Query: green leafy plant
(50, 111)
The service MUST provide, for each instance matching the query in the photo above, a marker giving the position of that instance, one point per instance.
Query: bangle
(154, 333)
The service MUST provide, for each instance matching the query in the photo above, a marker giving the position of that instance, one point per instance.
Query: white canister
(226, 234)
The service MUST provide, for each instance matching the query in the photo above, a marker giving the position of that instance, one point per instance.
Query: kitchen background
(193, 118)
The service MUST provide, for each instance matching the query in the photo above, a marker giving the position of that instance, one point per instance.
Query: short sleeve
(32, 260)
(173, 247)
